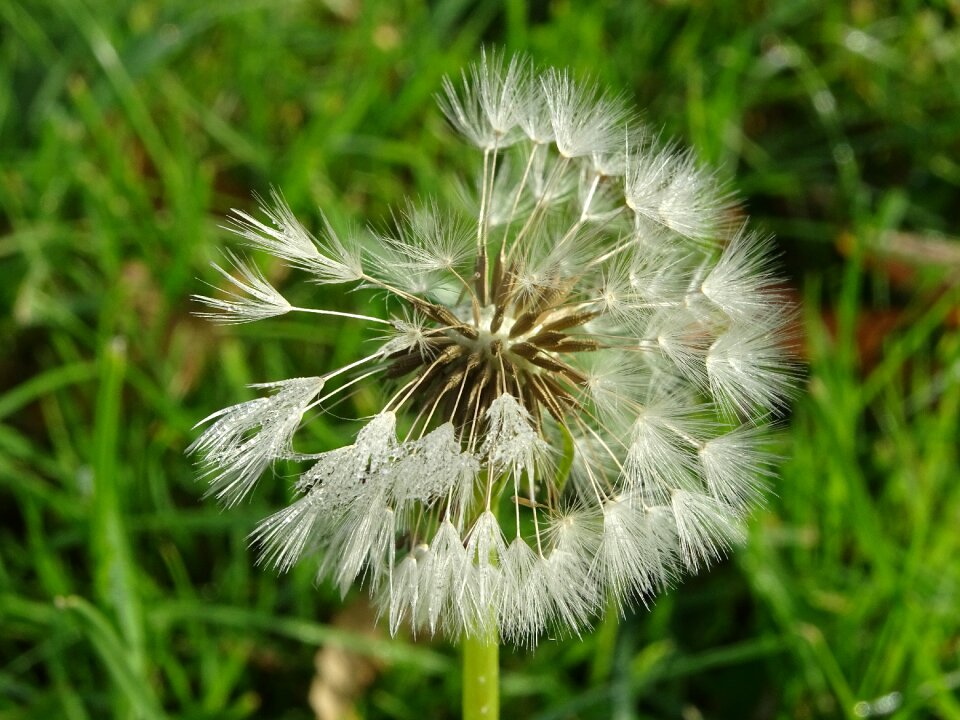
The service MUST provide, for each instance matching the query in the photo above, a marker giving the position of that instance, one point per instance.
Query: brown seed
(546, 337)
(525, 350)
(403, 364)
(524, 323)
(467, 331)
(497, 319)
(436, 312)
(569, 320)
(572, 345)
(544, 395)
(548, 363)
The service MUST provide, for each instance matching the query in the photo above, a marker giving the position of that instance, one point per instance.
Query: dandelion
(577, 375)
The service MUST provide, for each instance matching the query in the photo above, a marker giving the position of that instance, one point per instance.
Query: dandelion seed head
(577, 365)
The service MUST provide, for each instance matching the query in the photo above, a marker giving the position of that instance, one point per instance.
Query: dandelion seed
(569, 586)
(667, 187)
(246, 438)
(485, 109)
(522, 610)
(577, 371)
(736, 467)
(329, 260)
(742, 283)
(586, 122)
(705, 527)
(259, 299)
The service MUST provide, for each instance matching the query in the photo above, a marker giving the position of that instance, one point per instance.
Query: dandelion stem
(516, 203)
(337, 313)
(356, 363)
(480, 276)
(585, 212)
(533, 509)
(485, 220)
(542, 202)
(481, 671)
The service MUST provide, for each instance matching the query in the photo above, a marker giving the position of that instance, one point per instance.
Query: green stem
(481, 678)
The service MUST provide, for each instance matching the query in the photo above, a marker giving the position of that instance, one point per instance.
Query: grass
(128, 129)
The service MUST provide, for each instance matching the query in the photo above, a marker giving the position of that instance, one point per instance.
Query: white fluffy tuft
(585, 351)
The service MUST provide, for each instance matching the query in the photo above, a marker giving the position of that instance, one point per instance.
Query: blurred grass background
(127, 129)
